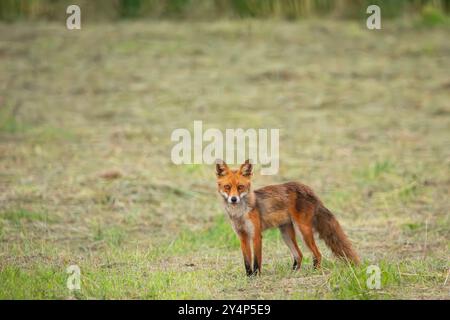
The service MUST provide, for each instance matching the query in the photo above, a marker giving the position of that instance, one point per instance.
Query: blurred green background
(211, 9)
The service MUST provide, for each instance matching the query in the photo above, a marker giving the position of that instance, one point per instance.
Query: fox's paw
(254, 273)
(297, 264)
(316, 263)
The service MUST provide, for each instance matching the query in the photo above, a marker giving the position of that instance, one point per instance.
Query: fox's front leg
(246, 252)
(257, 252)
(256, 237)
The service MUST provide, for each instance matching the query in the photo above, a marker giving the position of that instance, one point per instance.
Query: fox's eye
(227, 187)
(241, 187)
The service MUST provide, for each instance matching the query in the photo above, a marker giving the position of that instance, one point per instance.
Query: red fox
(290, 207)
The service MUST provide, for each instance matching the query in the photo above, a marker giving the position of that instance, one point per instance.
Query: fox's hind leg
(308, 237)
(288, 233)
(303, 220)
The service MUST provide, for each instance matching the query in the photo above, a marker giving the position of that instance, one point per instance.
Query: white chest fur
(238, 215)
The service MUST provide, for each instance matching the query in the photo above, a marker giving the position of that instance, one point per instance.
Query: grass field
(86, 176)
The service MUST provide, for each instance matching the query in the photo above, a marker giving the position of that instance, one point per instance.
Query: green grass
(8, 120)
(86, 176)
(20, 216)
(140, 275)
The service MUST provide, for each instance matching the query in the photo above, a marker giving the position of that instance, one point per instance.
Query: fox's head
(234, 185)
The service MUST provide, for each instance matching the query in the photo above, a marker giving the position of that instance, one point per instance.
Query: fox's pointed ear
(246, 168)
(221, 168)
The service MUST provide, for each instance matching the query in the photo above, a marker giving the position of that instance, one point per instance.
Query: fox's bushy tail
(331, 232)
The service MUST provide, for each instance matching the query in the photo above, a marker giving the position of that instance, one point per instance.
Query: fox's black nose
(233, 199)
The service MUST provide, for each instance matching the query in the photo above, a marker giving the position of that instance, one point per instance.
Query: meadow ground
(86, 177)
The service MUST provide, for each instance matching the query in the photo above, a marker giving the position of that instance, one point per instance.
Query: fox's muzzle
(233, 199)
